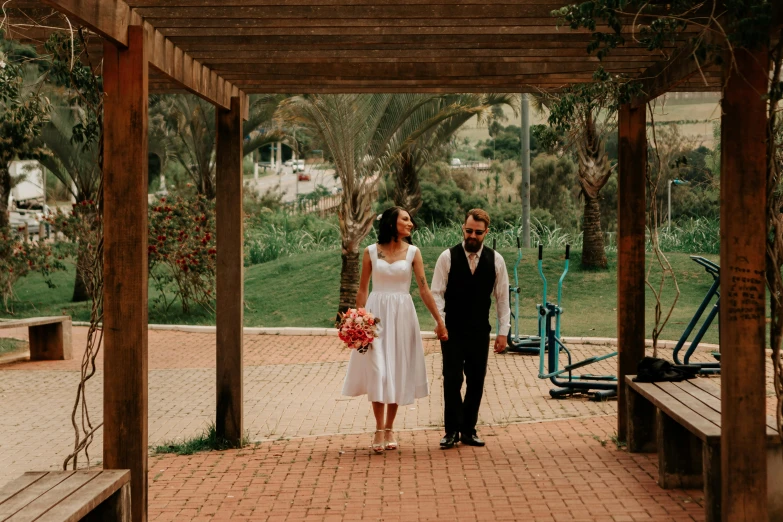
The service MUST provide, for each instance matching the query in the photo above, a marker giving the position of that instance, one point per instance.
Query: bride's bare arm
(364, 282)
(426, 295)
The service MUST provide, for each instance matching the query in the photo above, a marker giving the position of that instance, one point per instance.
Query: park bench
(50, 337)
(682, 422)
(64, 496)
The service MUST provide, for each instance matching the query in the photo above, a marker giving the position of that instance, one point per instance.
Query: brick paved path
(549, 471)
(294, 411)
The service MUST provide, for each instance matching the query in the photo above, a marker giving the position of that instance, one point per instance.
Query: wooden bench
(681, 421)
(64, 496)
(50, 337)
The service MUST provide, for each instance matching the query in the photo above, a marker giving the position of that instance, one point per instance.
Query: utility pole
(525, 160)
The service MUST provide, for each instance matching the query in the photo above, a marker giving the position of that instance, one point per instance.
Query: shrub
(182, 251)
(18, 258)
(270, 236)
(446, 202)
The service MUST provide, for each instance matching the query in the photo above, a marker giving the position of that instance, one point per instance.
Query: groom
(465, 279)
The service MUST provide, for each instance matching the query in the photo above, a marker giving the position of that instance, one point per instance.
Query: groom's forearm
(439, 278)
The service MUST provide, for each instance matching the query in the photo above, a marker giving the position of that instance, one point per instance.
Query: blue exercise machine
(710, 367)
(599, 387)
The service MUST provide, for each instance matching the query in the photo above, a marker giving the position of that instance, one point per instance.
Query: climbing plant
(721, 28)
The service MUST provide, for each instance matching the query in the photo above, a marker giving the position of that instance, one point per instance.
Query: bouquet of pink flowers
(358, 329)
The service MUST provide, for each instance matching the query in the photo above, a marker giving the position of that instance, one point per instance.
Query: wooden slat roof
(376, 46)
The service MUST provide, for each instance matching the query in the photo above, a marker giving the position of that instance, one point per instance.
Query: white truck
(27, 201)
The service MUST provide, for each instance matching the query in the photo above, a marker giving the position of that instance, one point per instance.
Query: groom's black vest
(469, 296)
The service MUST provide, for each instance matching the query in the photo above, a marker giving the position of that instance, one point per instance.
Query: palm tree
(76, 165)
(585, 113)
(365, 133)
(407, 192)
(188, 124)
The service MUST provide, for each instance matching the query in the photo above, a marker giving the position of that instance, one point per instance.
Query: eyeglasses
(479, 233)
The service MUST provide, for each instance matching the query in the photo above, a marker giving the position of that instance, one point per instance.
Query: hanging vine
(653, 175)
(71, 68)
(774, 252)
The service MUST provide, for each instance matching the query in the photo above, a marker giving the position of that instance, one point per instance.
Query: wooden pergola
(223, 51)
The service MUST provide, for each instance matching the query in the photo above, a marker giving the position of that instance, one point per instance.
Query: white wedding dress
(392, 371)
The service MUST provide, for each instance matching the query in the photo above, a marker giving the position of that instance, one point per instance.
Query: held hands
(441, 331)
(500, 343)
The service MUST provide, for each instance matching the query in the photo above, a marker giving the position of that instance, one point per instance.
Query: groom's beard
(472, 245)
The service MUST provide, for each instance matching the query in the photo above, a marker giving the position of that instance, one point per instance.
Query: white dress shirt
(441, 277)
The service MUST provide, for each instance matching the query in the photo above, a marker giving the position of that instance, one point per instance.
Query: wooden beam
(125, 263)
(230, 281)
(743, 229)
(112, 19)
(631, 206)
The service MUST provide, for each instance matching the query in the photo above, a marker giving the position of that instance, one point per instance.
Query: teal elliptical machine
(524, 344)
(599, 387)
(708, 368)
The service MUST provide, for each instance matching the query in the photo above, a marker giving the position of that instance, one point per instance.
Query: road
(288, 181)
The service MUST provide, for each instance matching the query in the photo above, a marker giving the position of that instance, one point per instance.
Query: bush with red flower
(183, 251)
(18, 258)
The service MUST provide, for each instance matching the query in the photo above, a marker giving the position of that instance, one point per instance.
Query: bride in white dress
(392, 372)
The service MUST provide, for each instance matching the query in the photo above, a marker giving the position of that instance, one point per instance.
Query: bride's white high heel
(378, 447)
(390, 444)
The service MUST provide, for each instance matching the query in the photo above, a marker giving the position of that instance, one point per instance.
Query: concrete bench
(681, 421)
(65, 496)
(50, 337)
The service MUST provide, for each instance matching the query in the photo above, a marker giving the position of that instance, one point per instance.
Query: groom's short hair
(479, 215)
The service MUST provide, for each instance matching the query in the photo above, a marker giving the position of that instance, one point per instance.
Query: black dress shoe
(449, 440)
(471, 440)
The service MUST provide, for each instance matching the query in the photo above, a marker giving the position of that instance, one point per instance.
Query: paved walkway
(310, 456)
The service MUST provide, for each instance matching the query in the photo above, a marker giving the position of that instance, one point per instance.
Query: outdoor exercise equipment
(710, 367)
(599, 387)
(524, 344)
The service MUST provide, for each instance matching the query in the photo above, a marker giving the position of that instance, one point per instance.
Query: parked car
(299, 165)
(455, 162)
(303, 177)
(288, 163)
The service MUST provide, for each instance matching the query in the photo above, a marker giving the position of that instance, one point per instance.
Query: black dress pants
(463, 354)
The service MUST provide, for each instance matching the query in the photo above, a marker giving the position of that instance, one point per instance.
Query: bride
(392, 371)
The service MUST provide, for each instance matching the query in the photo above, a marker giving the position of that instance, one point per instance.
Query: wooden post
(642, 423)
(230, 282)
(742, 311)
(125, 75)
(679, 455)
(630, 252)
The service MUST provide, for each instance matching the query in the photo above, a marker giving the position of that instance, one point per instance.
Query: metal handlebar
(709, 266)
(562, 277)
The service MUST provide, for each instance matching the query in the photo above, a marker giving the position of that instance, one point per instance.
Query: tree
(552, 181)
(365, 134)
(187, 125)
(585, 113)
(78, 167)
(407, 191)
(23, 110)
(73, 139)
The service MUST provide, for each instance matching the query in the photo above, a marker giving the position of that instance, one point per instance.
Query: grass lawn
(303, 291)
